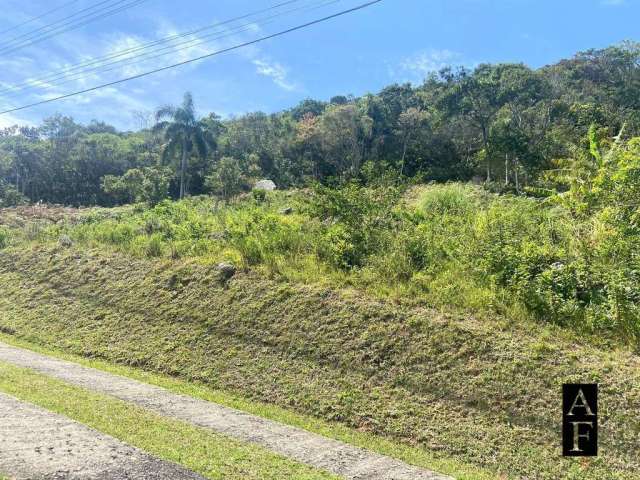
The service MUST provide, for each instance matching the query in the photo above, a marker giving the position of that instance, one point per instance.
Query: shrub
(262, 237)
(451, 199)
(114, 233)
(227, 179)
(10, 196)
(456, 246)
(337, 249)
(259, 195)
(152, 224)
(34, 231)
(149, 185)
(154, 246)
(357, 219)
(4, 238)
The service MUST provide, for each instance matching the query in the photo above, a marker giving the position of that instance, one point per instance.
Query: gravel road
(39, 445)
(333, 456)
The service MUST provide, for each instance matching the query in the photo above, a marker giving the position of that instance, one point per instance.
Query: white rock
(267, 185)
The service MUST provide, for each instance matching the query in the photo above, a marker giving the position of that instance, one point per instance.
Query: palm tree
(182, 132)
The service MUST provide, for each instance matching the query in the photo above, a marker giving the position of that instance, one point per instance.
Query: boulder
(267, 185)
(226, 270)
(217, 236)
(65, 241)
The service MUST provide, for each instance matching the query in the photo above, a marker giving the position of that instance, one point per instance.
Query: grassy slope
(213, 456)
(479, 392)
(413, 455)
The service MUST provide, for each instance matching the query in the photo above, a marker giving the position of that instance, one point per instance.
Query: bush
(357, 219)
(149, 185)
(114, 233)
(451, 199)
(10, 196)
(227, 179)
(337, 249)
(154, 246)
(4, 238)
(454, 246)
(259, 195)
(263, 237)
(34, 231)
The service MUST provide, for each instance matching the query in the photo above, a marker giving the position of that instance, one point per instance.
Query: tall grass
(454, 246)
(4, 238)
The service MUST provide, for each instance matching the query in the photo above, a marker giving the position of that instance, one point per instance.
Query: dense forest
(502, 124)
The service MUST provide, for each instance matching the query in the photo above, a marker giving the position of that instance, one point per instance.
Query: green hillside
(354, 340)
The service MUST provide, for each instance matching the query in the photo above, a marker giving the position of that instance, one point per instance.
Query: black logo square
(580, 420)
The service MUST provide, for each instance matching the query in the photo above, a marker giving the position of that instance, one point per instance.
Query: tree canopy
(505, 124)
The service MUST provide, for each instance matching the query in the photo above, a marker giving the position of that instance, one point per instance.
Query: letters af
(579, 420)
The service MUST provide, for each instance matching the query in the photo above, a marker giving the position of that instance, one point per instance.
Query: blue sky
(393, 41)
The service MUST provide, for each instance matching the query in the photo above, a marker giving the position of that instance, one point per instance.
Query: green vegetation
(504, 123)
(182, 133)
(4, 237)
(569, 259)
(213, 456)
(149, 184)
(474, 391)
(390, 366)
(439, 315)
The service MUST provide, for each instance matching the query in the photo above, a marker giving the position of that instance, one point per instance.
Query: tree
(9, 196)
(480, 95)
(344, 131)
(182, 133)
(409, 123)
(227, 179)
(308, 139)
(150, 184)
(307, 107)
(457, 124)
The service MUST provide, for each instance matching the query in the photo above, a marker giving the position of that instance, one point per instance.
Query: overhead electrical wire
(172, 49)
(68, 26)
(95, 61)
(42, 15)
(50, 26)
(196, 59)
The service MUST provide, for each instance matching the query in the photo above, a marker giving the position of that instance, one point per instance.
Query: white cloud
(108, 103)
(114, 103)
(138, 60)
(276, 72)
(418, 66)
(8, 120)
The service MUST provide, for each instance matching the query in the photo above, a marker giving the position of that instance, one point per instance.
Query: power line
(185, 45)
(50, 25)
(81, 65)
(69, 26)
(199, 41)
(42, 15)
(202, 57)
(72, 25)
(172, 48)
